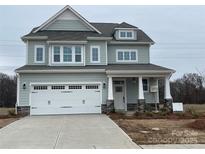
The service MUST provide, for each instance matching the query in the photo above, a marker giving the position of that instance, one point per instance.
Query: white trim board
(53, 18)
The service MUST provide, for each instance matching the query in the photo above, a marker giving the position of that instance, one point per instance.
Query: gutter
(121, 42)
(138, 71)
(67, 42)
(99, 38)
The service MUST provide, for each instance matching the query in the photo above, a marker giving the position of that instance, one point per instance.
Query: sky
(178, 32)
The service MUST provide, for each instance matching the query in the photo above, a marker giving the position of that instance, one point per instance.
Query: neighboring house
(75, 66)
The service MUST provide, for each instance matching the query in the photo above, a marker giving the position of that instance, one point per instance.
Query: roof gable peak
(67, 7)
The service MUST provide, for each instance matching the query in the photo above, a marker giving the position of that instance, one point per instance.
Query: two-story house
(75, 66)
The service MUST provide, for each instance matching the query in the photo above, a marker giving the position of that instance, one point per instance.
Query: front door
(119, 95)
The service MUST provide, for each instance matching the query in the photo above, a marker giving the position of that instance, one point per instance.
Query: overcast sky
(179, 32)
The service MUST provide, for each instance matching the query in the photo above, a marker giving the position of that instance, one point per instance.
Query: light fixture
(24, 86)
(104, 85)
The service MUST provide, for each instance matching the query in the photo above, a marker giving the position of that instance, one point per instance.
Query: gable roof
(106, 30)
(54, 17)
(103, 31)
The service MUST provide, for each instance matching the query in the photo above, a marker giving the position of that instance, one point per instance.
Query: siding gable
(67, 21)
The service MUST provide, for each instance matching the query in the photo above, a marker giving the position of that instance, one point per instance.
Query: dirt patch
(6, 121)
(160, 131)
(197, 124)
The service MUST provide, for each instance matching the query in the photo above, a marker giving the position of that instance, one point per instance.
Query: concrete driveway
(65, 132)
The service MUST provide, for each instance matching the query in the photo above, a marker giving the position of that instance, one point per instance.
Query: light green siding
(102, 45)
(31, 52)
(143, 52)
(28, 78)
(72, 25)
(132, 92)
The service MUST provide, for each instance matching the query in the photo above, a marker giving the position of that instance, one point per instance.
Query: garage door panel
(65, 99)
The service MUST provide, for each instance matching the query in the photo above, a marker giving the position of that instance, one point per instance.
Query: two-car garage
(65, 98)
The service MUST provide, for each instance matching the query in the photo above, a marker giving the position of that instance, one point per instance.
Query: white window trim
(127, 38)
(147, 84)
(91, 55)
(126, 50)
(35, 56)
(73, 54)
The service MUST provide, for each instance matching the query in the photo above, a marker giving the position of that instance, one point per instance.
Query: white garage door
(65, 99)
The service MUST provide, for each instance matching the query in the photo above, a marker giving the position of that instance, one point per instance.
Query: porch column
(167, 94)
(110, 88)
(140, 89)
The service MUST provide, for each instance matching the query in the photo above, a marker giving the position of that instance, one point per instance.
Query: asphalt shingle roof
(107, 30)
(147, 67)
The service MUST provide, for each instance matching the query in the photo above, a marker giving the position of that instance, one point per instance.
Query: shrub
(12, 112)
(149, 114)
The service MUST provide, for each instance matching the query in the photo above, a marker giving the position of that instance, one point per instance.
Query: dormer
(125, 32)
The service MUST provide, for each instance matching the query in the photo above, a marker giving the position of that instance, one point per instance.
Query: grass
(199, 108)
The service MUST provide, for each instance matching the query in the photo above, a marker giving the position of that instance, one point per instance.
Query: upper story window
(67, 54)
(39, 54)
(78, 54)
(95, 54)
(126, 55)
(56, 54)
(145, 83)
(126, 34)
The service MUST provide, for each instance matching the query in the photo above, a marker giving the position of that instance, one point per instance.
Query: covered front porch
(133, 92)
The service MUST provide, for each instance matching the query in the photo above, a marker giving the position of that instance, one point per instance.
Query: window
(118, 89)
(91, 86)
(145, 84)
(75, 87)
(126, 55)
(77, 54)
(118, 82)
(129, 34)
(56, 56)
(67, 54)
(40, 87)
(133, 55)
(95, 54)
(39, 54)
(120, 55)
(126, 34)
(57, 87)
(122, 34)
